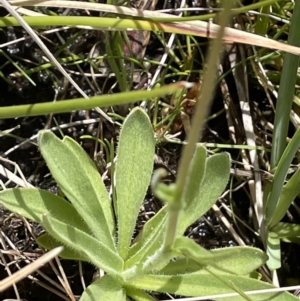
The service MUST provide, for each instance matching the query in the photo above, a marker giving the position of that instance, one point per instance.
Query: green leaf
(33, 203)
(185, 246)
(181, 266)
(87, 246)
(203, 283)
(280, 175)
(48, 242)
(140, 295)
(286, 230)
(262, 23)
(135, 158)
(287, 196)
(150, 240)
(195, 176)
(295, 240)
(80, 181)
(104, 289)
(273, 251)
(240, 260)
(202, 197)
(234, 260)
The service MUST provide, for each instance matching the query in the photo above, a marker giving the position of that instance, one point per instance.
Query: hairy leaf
(33, 203)
(104, 289)
(135, 158)
(204, 195)
(87, 246)
(148, 241)
(48, 242)
(80, 181)
(203, 283)
(234, 260)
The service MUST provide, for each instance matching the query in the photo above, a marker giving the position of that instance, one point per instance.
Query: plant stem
(82, 103)
(204, 98)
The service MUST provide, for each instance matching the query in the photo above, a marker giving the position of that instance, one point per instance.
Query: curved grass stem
(204, 98)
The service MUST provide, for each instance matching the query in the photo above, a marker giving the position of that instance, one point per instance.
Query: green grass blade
(287, 196)
(82, 103)
(280, 175)
(286, 90)
(235, 260)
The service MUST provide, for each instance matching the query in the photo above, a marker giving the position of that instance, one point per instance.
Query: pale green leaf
(203, 283)
(194, 178)
(286, 230)
(48, 242)
(87, 246)
(181, 266)
(234, 260)
(214, 181)
(80, 181)
(287, 196)
(135, 158)
(164, 192)
(273, 251)
(33, 203)
(139, 295)
(241, 260)
(149, 240)
(104, 289)
(295, 240)
(186, 265)
(185, 246)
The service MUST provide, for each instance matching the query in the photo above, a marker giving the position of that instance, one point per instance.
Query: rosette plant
(94, 227)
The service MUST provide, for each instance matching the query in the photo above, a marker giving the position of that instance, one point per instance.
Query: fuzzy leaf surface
(195, 176)
(135, 159)
(48, 242)
(234, 260)
(215, 178)
(33, 203)
(140, 295)
(203, 283)
(240, 260)
(79, 180)
(185, 246)
(151, 239)
(87, 246)
(104, 289)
